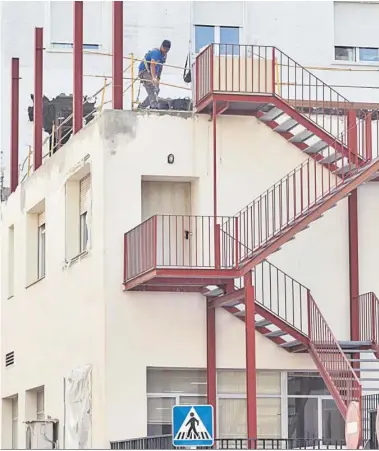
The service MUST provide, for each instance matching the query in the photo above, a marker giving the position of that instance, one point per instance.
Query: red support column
(211, 359)
(251, 373)
(14, 123)
(353, 264)
(78, 66)
(38, 94)
(214, 117)
(118, 55)
(352, 136)
(368, 136)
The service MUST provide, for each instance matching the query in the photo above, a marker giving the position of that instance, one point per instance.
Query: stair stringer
(279, 237)
(333, 141)
(315, 349)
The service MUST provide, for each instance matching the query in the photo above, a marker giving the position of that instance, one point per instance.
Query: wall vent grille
(9, 359)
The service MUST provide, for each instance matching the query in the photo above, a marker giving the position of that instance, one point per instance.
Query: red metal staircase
(290, 206)
(264, 82)
(287, 314)
(211, 255)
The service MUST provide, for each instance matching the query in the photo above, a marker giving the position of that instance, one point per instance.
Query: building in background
(88, 320)
(344, 55)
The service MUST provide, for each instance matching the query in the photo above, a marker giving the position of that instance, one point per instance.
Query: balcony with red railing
(179, 253)
(253, 74)
(368, 305)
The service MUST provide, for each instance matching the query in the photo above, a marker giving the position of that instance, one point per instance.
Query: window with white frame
(356, 38)
(11, 255)
(227, 37)
(41, 246)
(357, 54)
(85, 185)
(294, 405)
(312, 413)
(15, 422)
(40, 404)
(61, 24)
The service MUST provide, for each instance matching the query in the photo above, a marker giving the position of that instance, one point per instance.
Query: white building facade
(67, 320)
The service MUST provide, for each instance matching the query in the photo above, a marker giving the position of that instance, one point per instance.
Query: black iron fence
(165, 442)
(370, 405)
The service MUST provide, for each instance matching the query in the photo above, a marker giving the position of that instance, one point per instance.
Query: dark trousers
(151, 89)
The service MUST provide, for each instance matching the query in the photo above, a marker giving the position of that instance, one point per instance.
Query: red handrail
(178, 241)
(368, 305)
(258, 69)
(336, 369)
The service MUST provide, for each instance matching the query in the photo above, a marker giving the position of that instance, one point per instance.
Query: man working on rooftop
(150, 71)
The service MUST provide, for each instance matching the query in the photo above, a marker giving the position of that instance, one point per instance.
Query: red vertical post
(216, 230)
(352, 136)
(353, 264)
(125, 257)
(251, 371)
(38, 102)
(211, 359)
(236, 242)
(78, 66)
(118, 55)
(14, 123)
(273, 70)
(368, 136)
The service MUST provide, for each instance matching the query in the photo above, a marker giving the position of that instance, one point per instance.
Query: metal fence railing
(165, 442)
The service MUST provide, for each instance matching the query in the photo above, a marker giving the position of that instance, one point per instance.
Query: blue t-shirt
(158, 57)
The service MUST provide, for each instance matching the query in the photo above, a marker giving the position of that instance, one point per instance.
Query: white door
(171, 202)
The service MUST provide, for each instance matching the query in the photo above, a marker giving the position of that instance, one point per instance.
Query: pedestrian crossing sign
(192, 425)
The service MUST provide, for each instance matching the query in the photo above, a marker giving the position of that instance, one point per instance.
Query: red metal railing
(266, 70)
(303, 189)
(282, 295)
(168, 241)
(368, 317)
(336, 370)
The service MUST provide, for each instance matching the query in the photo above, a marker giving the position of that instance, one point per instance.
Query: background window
(231, 37)
(85, 185)
(61, 24)
(369, 54)
(41, 246)
(168, 387)
(208, 34)
(333, 425)
(344, 53)
(306, 384)
(159, 415)
(232, 418)
(302, 418)
(204, 35)
(40, 404)
(176, 381)
(15, 422)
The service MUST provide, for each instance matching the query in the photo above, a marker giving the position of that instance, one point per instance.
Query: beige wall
(81, 314)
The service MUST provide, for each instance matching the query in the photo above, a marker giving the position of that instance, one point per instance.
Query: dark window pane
(368, 54)
(344, 53)
(231, 37)
(204, 35)
(302, 418)
(306, 384)
(333, 425)
(158, 429)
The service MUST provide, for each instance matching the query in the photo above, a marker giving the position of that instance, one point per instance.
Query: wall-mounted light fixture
(170, 158)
